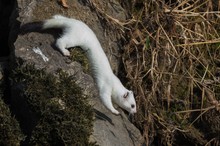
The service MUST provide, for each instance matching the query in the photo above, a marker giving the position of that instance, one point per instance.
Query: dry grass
(172, 60)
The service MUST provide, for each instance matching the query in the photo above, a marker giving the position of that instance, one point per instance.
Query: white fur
(77, 33)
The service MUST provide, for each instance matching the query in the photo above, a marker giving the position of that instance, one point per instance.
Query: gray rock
(37, 48)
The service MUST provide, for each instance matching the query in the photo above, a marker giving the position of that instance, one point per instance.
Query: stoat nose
(134, 111)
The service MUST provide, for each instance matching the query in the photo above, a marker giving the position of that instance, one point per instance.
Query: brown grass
(172, 60)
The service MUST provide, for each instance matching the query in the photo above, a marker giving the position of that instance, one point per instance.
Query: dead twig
(64, 3)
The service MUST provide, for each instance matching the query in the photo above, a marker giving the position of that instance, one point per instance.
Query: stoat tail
(59, 17)
(57, 21)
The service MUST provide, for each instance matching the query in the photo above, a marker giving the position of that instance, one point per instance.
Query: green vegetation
(65, 117)
(78, 55)
(10, 133)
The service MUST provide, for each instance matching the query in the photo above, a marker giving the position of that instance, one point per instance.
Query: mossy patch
(78, 55)
(10, 132)
(65, 115)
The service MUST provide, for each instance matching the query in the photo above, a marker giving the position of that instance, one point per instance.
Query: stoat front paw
(115, 112)
(66, 53)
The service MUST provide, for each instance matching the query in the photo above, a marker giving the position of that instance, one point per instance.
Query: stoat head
(127, 102)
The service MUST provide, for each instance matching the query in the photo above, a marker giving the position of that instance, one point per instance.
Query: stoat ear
(126, 95)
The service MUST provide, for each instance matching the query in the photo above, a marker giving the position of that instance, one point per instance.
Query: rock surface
(109, 130)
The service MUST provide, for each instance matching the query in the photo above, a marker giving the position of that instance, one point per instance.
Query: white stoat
(77, 33)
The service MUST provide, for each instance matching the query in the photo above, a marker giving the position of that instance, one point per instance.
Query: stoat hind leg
(61, 45)
(106, 99)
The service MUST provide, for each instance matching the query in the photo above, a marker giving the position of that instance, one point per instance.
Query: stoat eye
(132, 106)
(126, 95)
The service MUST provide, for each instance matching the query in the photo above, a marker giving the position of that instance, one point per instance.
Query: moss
(10, 132)
(78, 55)
(65, 116)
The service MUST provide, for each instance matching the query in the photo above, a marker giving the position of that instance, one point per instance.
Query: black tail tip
(31, 27)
